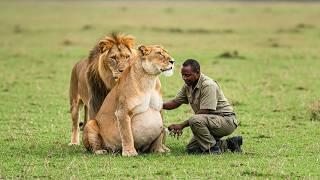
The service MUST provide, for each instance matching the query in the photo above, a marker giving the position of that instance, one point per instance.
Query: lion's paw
(129, 153)
(100, 152)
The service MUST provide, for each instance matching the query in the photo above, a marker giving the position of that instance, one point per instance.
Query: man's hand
(176, 129)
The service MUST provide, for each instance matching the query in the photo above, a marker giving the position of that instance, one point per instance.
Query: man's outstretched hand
(175, 129)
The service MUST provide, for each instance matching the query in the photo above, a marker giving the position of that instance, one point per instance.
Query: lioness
(129, 117)
(93, 78)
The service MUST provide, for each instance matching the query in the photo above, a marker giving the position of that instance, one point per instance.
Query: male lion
(129, 118)
(93, 78)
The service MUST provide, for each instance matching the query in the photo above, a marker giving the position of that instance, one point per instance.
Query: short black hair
(193, 63)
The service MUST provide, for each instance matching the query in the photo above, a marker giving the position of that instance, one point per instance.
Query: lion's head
(107, 60)
(156, 60)
(115, 54)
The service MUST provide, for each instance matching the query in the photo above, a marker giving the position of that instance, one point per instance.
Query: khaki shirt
(207, 94)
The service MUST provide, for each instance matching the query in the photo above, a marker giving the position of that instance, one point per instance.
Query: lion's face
(156, 60)
(115, 55)
(116, 59)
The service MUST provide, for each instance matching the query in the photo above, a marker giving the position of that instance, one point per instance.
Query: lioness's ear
(105, 44)
(144, 50)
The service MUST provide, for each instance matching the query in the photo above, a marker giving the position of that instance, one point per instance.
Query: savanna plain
(265, 56)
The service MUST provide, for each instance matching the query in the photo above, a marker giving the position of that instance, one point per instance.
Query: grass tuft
(315, 111)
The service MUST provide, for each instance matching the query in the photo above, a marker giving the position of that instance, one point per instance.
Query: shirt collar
(199, 81)
(198, 85)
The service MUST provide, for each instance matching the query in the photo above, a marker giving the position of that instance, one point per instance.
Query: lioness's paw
(100, 152)
(165, 148)
(161, 150)
(129, 153)
(74, 144)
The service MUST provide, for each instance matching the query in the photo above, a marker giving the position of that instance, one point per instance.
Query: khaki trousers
(207, 129)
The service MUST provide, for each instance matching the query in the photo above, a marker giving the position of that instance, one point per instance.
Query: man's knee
(197, 120)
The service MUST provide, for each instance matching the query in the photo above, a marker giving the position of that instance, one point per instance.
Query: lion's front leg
(158, 145)
(124, 123)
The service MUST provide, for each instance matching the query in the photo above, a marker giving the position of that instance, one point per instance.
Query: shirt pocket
(196, 101)
(190, 99)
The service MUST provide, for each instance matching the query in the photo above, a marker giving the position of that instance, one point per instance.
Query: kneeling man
(214, 116)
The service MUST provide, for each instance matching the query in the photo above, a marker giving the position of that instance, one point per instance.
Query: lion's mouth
(168, 69)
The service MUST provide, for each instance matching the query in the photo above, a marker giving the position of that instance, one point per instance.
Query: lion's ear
(144, 50)
(105, 44)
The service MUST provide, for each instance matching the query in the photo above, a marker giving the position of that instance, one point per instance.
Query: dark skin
(190, 77)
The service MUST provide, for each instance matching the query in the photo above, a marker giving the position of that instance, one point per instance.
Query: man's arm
(170, 105)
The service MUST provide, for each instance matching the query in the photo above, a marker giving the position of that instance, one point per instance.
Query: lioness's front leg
(124, 123)
(158, 145)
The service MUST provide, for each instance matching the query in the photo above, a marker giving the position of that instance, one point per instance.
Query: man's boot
(194, 150)
(234, 144)
(215, 149)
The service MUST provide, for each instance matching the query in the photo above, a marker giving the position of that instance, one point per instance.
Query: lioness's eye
(127, 56)
(160, 54)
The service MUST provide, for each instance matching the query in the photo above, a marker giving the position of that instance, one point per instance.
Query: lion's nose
(171, 61)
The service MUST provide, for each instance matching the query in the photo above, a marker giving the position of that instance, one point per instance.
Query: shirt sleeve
(209, 97)
(181, 97)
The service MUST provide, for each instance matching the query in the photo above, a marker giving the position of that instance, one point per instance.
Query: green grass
(272, 84)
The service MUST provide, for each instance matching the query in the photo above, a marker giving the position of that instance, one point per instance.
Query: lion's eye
(113, 61)
(127, 56)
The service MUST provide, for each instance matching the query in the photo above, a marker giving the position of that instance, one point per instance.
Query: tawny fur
(129, 118)
(93, 77)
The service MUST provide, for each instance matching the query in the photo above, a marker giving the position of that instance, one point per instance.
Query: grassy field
(272, 80)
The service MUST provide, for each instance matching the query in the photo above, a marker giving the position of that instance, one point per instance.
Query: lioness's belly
(146, 128)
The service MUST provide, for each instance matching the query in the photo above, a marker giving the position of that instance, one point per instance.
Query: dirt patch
(301, 88)
(17, 29)
(289, 31)
(87, 27)
(271, 42)
(67, 42)
(304, 26)
(189, 31)
(169, 10)
(231, 55)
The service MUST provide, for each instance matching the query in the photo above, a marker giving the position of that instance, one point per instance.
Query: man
(214, 116)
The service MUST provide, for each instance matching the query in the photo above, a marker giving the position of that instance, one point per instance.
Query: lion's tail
(73, 89)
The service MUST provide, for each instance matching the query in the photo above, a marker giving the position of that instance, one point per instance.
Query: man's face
(189, 76)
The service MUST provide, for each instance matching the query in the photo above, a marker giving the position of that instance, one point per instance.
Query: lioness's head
(155, 60)
(115, 52)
